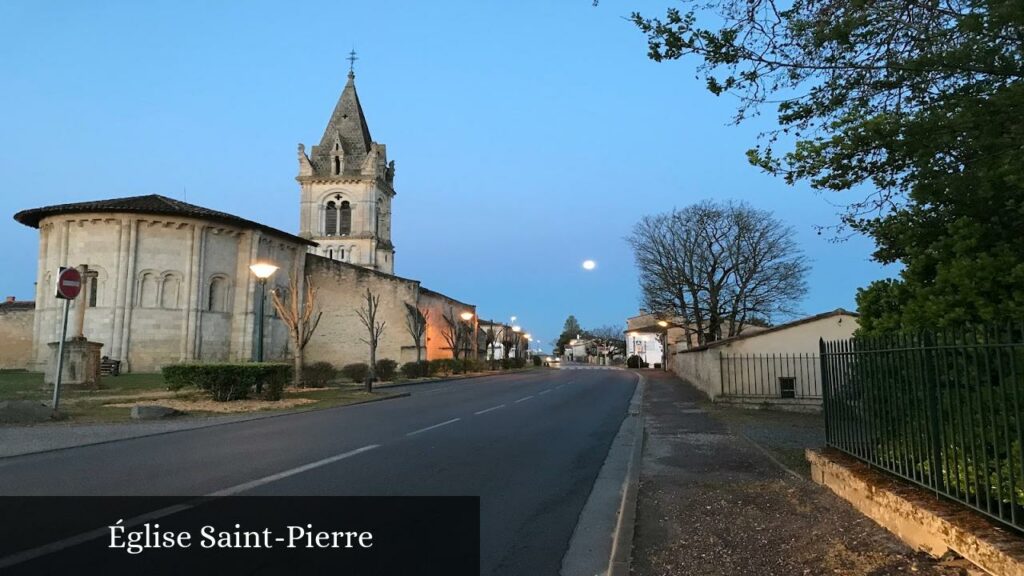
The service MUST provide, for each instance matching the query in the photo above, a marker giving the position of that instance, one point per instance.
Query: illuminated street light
(589, 264)
(467, 316)
(262, 271)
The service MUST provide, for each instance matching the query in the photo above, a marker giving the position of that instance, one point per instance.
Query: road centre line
(445, 423)
(492, 408)
(45, 549)
(524, 399)
(306, 467)
(546, 391)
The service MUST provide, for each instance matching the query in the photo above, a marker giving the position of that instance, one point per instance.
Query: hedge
(386, 369)
(226, 382)
(356, 372)
(318, 374)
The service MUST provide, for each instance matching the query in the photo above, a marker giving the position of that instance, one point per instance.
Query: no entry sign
(69, 283)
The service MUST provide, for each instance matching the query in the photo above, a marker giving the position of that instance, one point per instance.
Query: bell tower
(347, 185)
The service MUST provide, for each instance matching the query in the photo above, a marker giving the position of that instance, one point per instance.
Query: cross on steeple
(352, 62)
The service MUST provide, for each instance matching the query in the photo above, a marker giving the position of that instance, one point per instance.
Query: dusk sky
(528, 136)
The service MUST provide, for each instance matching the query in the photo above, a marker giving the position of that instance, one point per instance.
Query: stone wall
(438, 305)
(341, 293)
(168, 289)
(16, 320)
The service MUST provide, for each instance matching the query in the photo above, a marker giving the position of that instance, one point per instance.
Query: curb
(602, 542)
(210, 425)
(451, 379)
(622, 542)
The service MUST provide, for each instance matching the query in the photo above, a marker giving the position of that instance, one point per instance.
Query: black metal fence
(942, 410)
(771, 376)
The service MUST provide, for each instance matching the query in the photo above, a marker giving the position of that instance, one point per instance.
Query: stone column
(81, 303)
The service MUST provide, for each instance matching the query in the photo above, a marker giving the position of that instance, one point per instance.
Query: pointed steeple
(347, 125)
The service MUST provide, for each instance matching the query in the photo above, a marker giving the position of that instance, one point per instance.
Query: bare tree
(609, 339)
(456, 332)
(489, 337)
(300, 316)
(368, 316)
(416, 323)
(509, 339)
(718, 267)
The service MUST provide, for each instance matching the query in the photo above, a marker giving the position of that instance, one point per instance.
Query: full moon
(589, 264)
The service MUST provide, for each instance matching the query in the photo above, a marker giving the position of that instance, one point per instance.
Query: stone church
(168, 281)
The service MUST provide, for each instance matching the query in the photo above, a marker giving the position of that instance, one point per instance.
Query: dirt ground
(710, 503)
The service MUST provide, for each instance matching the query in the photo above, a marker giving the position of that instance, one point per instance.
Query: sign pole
(60, 357)
(69, 285)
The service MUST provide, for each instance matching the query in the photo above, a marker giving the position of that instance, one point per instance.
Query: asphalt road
(530, 445)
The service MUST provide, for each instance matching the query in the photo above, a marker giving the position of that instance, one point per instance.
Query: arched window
(341, 254)
(148, 288)
(380, 217)
(330, 253)
(337, 165)
(331, 219)
(169, 291)
(346, 218)
(94, 289)
(217, 298)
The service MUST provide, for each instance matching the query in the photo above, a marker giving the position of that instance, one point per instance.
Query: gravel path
(712, 504)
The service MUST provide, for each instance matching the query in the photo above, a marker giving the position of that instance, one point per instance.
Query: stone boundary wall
(917, 516)
(16, 323)
(702, 368)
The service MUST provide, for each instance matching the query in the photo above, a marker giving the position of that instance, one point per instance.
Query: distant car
(552, 361)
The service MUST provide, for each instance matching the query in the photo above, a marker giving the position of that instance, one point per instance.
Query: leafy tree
(570, 330)
(914, 109)
(718, 267)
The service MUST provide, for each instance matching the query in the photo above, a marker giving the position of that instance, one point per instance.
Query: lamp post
(664, 343)
(466, 317)
(262, 271)
(516, 330)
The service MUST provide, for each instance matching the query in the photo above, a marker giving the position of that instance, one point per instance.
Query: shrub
(441, 366)
(356, 372)
(536, 360)
(633, 361)
(416, 369)
(386, 369)
(226, 382)
(519, 363)
(318, 374)
(506, 364)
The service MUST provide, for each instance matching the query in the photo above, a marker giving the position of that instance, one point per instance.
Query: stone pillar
(81, 363)
(81, 303)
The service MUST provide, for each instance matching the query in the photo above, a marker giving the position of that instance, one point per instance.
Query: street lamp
(262, 271)
(466, 317)
(516, 330)
(664, 344)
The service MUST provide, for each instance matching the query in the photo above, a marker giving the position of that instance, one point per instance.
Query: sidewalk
(713, 504)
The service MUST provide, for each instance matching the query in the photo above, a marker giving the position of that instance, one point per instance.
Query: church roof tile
(151, 204)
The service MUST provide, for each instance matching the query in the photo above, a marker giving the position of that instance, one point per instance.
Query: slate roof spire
(347, 125)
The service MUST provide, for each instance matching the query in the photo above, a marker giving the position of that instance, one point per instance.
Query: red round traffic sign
(69, 283)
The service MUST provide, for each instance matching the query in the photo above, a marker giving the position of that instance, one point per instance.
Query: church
(169, 282)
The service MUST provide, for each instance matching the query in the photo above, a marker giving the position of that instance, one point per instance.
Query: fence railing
(768, 376)
(942, 410)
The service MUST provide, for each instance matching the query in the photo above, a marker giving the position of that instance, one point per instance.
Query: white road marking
(545, 391)
(445, 423)
(488, 410)
(306, 467)
(523, 399)
(33, 553)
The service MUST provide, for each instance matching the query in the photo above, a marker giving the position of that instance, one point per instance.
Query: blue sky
(528, 136)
